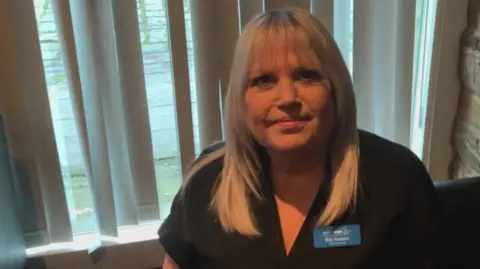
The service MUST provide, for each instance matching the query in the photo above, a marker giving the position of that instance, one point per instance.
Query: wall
(444, 88)
(466, 134)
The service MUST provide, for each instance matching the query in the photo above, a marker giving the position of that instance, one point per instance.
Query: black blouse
(397, 213)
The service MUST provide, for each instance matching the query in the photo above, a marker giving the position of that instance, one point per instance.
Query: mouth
(291, 119)
(291, 123)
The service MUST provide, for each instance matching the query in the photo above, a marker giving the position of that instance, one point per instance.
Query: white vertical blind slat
(12, 240)
(90, 67)
(35, 94)
(63, 22)
(403, 64)
(274, 4)
(325, 12)
(113, 110)
(383, 66)
(206, 71)
(228, 23)
(302, 4)
(17, 131)
(181, 82)
(248, 9)
(342, 27)
(363, 51)
(137, 126)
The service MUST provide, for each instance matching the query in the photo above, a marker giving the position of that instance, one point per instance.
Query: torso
(287, 231)
(294, 198)
(292, 218)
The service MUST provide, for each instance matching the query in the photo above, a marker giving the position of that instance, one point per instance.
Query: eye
(263, 81)
(307, 76)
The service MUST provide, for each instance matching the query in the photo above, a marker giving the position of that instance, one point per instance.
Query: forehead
(279, 49)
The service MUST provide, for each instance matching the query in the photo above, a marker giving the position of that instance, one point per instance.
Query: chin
(287, 143)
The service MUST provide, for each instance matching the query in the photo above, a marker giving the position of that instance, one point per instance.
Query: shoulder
(389, 171)
(384, 154)
(190, 211)
(216, 149)
(204, 173)
(397, 193)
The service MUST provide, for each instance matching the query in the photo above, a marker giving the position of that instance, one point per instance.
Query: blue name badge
(337, 236)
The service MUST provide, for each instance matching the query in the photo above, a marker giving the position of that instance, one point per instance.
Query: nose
(287, 92)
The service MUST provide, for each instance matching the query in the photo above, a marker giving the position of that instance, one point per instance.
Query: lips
(289, 123)
(287, 120)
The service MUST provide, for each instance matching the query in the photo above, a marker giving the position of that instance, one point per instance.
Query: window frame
(124, 253)
(444, 87)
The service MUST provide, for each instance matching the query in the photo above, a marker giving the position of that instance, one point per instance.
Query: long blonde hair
(240, 175)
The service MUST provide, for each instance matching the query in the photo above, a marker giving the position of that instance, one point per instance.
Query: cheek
(325, 108)
(322, 106)
(327, 114)
(318, 100)
(256, 108)
(326, 117)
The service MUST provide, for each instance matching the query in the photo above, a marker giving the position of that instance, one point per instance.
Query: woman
(296, 184)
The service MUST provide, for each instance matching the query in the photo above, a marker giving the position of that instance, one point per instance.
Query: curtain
(376, 38)
(41, 199)
(383, 53)
(103, 57)
(111, 113)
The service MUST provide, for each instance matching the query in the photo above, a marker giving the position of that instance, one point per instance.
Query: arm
(173, 236)
(168, 263)
(175, 230)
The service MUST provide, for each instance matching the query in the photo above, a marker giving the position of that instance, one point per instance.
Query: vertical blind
(102, 57)
(383, 66)
(28, 126)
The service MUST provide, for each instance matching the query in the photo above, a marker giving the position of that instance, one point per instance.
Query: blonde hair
(240, 175)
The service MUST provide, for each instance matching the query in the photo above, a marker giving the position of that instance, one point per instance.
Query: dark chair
(460, 202)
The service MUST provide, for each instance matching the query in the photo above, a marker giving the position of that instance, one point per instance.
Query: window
(76, 184)
(424, 31)
(343, 30)
(158, 78)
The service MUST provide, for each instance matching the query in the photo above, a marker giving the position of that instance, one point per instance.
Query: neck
(302, 164)
(297, 176)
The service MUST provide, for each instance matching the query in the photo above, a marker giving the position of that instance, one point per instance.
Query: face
(289, 104)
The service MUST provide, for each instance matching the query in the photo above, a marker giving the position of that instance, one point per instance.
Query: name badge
(337, 236)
